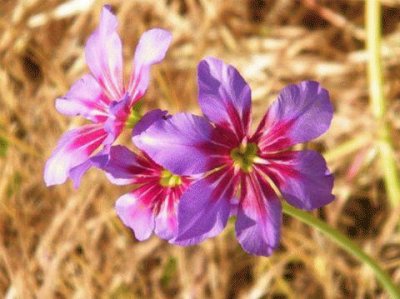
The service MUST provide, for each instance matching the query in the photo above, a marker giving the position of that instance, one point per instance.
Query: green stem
(377, 101)
(135, 116)
(346, 244)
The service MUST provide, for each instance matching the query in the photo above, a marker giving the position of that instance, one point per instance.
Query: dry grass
(64, 243)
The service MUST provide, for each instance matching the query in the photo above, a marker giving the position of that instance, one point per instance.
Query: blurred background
(63, 243)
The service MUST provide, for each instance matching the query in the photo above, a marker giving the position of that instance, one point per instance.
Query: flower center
(244, 155)
(168, 179)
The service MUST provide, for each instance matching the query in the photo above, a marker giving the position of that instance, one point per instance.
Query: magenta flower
(153, 204)
(102, 97)
(241, 166)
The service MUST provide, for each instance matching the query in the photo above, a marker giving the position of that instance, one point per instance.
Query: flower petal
(301, 113)
(150, 50)
(148, 119)
(73, 149)
(103, 54)
(166, 219)
(224, 96)
(78, 171)
(259, 216)
(302, 177)
(125, 167)
(135, 211)
(85, 98)
(204, 208)
(182, 144)
(118, 114)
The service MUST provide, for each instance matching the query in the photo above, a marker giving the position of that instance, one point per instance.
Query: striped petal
(151, 207)
(190, 138)
(167, 219)
(204, 208)
(103, 52)
(224, 96)
(301, 113)
(73, 149)
(136, 212)
(259, 216)
(124, 167)
(302, 177)
(86, 98)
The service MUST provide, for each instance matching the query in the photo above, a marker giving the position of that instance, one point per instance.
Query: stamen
(168, 179)
(244, 156)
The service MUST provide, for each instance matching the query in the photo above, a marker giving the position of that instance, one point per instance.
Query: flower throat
(244, 155)
(168, 179)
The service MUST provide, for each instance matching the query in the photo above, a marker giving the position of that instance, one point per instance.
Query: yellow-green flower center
(168, 179)
(244, 155)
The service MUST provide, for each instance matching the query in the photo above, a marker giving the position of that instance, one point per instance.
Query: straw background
(63, 243)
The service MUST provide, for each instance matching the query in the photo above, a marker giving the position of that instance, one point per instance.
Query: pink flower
(153, 204)
(102, 97)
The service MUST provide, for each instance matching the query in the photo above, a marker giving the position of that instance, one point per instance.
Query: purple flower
(153, 204)
(102, 97)
(240, 166)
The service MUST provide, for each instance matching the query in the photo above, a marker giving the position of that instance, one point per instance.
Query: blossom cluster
(191, 173)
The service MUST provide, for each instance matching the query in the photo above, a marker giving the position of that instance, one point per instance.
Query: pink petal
(73, 149)
(85, 98)
(150, 50)
(103, 54)
(166, 219)
(136, 212)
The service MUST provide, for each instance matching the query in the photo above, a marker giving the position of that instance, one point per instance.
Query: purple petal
(73, 149)
(136, 212)
(118, 114)
(85, 98)
(301, 113)
(148, 119)
(125, 167)
(183, 144)
(302, 177)
(103, 54)
(150, 50)
(259, 216)
(224, 96)
(77, 172)
(204, 208)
